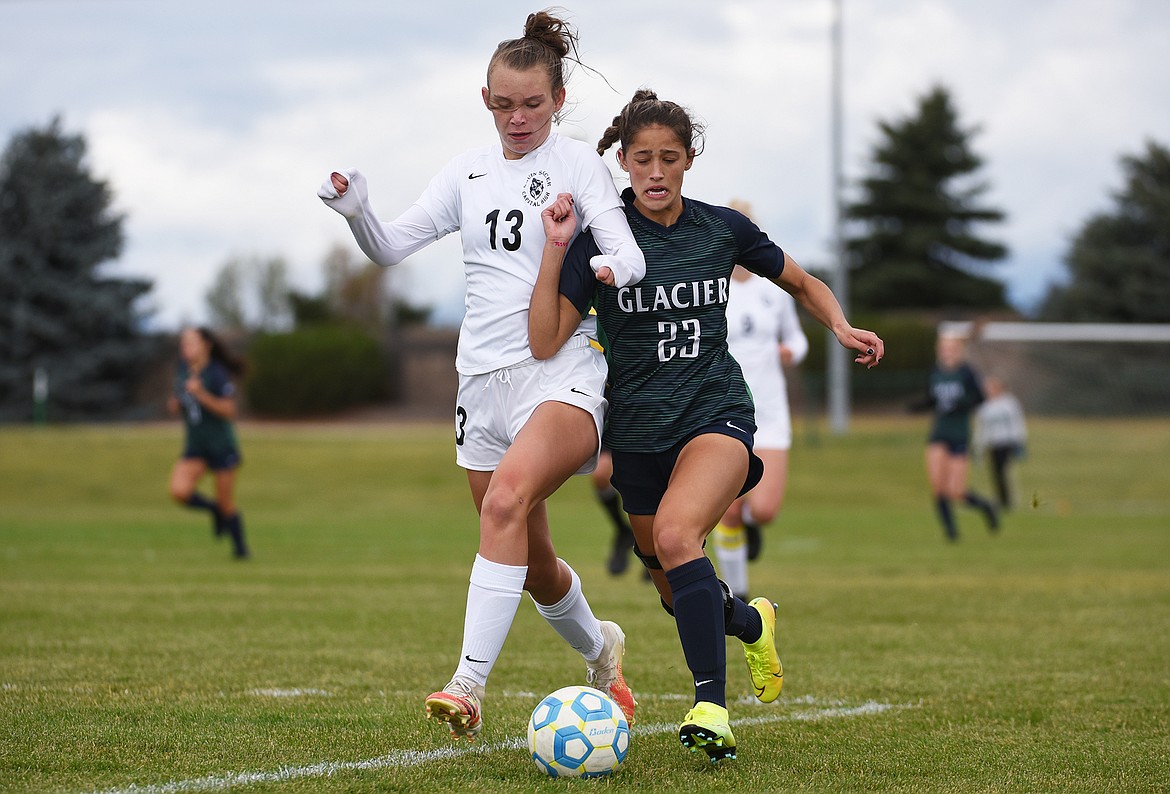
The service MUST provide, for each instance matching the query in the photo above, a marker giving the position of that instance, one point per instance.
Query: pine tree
(58, 314)
(919, 207)
(1119, 262)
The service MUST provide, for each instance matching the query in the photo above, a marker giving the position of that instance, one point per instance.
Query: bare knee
(181, 491)
(676, 545)
(764, 513)
(504, 509)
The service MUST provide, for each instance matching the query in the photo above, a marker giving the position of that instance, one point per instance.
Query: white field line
(400, 759)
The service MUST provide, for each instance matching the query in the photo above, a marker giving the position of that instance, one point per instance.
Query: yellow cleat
(706, 728)
(762, 659)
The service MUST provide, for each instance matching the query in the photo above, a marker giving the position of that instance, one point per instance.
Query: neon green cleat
(762, 659)
(459, 705)
(706, 728)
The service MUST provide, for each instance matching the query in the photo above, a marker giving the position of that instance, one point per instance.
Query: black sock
(978, 502)
(235, 528)
(198, 501)
(699, 615)
(740, 620)
(612, 503)
(945, 515)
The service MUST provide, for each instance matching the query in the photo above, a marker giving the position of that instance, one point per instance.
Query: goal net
(1101, 369)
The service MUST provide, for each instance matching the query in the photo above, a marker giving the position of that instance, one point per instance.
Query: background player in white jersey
(764, 336)
(522, 426)
(1001, 434)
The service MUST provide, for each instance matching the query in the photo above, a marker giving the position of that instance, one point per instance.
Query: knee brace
(649, 560)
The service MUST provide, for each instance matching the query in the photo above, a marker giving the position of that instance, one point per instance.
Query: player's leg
(958, 470)
(611, 502)
(764, 501)
(558, 440)
(496, 586)
(230, 517)
(1000, 458)
(550, 447)
(185, 477)
(730, 540)
(708, 475)
(937, 471)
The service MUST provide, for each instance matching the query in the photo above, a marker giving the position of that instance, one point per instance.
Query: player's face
(192, 347)
(657, 160)
(523, 103)
(950, 352)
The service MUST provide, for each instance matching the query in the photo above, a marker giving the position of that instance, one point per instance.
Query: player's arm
(793, 342)
(816, 297)
(385, 244)
(621, 262)
(223, 405)
(552, 317)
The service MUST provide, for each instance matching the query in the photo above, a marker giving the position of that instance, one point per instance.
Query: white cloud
(215, 127)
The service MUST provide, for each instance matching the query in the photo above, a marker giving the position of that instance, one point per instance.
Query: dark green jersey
(666, 336)
(954, 394)
(207, 432)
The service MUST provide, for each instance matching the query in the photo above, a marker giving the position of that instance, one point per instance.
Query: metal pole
(837, 362)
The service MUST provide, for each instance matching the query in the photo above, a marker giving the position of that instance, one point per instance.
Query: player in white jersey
(764, 336)
(522, 426)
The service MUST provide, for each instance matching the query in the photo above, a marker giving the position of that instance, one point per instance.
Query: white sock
(492, 599)
(746, 514)
(573, 619)
(731, 557)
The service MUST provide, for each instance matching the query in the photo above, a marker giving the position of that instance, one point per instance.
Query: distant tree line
(78, 334)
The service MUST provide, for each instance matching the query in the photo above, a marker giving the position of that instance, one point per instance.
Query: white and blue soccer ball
(578, 731)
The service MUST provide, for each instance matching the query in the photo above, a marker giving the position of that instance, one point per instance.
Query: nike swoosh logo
(475, 176)
(476, 661)
(578, 391)
(760, 689)
(700, 683)
(733, 427)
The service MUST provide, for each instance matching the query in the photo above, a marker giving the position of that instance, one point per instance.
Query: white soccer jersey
(760, 316)
(495, 204)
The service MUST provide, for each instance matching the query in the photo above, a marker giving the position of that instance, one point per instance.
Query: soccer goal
(1098, 369)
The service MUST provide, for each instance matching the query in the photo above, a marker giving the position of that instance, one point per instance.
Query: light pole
(837, 361)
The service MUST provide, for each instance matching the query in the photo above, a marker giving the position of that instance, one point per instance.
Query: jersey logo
(475, 176)
(733, 427)
(537, 188)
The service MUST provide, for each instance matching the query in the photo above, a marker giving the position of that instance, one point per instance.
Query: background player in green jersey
(205, 397)
(954, 394)
(681, 420)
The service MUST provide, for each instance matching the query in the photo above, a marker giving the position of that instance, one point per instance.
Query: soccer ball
(578, 731)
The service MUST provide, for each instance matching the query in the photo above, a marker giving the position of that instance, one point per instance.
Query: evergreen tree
(58, 314)
(1119, 262)
(919, 207)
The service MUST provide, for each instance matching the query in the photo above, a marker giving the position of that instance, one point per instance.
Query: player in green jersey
(954, 394)
(681, 420)
(205, 397)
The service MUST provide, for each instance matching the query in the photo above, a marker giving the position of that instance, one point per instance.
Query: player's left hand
(869, 346)
(560, 222)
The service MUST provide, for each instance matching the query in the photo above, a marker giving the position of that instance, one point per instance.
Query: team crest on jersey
(537, 188)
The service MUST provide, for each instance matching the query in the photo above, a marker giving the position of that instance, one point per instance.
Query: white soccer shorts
(493, 407)
(773, 423)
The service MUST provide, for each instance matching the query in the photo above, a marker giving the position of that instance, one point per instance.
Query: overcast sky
(215, 122)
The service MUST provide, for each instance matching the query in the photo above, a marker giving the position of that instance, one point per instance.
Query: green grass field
(136, 655)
